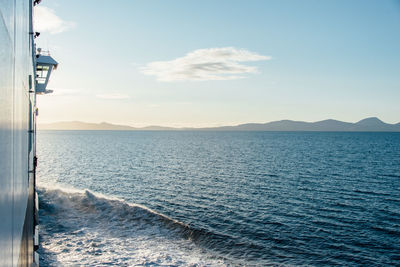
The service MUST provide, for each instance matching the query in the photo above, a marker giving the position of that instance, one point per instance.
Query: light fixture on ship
(44, 65)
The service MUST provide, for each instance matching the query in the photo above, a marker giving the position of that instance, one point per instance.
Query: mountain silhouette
(372, 124)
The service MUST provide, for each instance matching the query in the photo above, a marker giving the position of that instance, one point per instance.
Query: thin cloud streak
(67, 92)
(113, 96)
(46, 20)
(204, 65)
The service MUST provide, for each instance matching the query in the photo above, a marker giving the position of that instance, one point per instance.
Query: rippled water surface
(219, 198)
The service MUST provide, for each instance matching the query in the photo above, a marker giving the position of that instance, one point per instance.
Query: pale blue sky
(329, 59)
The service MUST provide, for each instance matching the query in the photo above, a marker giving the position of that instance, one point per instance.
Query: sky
(211, 63)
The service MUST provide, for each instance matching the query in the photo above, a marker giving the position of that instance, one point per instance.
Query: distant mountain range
(78, 125)
(366, 125)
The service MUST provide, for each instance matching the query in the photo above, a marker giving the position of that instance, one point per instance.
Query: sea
(204, 198)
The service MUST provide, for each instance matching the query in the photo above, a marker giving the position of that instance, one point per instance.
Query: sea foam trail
(85, 228)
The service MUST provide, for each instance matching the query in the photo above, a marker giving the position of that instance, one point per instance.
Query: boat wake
(86, 228)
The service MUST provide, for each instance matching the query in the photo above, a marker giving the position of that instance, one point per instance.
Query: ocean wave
(80, 227)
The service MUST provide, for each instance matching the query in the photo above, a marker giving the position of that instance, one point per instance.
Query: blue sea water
(219, 198)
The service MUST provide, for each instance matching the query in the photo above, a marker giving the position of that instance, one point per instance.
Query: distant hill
(78, 125)
(366, 125)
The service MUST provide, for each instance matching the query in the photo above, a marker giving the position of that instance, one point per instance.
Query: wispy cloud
(153, 105)
(205, 64)
(67, 92)
(47, 21)
(113, 96)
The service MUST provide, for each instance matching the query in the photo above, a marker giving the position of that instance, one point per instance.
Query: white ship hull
(17, 134)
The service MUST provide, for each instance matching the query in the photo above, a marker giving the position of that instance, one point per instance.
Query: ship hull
(17, 134)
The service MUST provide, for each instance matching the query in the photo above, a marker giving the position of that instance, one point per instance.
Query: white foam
(80, 227)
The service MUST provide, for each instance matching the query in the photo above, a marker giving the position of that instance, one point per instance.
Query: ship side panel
(15, 68)
(6, 131)
(21, 131)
